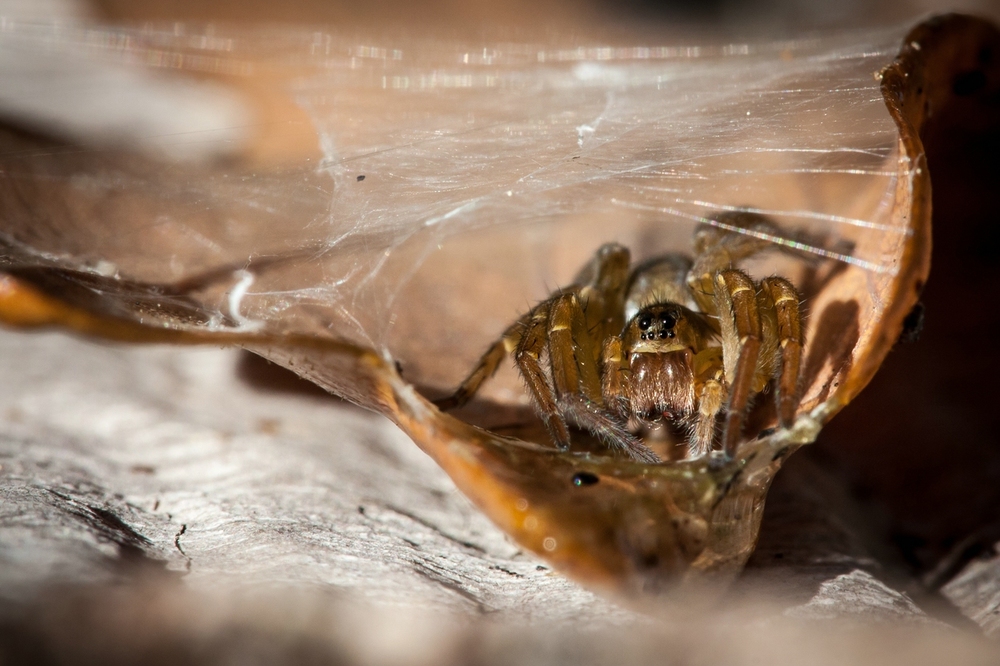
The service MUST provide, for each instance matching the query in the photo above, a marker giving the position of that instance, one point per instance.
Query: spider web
(446, 186)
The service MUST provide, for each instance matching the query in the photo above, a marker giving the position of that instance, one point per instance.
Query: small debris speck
(268, 426)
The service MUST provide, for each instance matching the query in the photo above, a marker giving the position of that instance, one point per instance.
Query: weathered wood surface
(226, 509)
(165, 454)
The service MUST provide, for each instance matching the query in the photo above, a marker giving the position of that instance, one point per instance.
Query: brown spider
(672, 339)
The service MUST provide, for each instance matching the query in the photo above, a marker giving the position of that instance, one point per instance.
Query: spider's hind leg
(601, 283)
(485, 368)
(720, 245)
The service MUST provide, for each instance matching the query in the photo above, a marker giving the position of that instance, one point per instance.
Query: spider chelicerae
(676, 339)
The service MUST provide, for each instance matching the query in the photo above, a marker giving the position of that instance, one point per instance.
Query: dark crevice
(428, 571)
(497, 567)
(434, 528)
(106, 525)
(979, 544)
(177, 545)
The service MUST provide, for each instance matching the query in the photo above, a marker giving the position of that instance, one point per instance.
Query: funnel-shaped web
(492, 174)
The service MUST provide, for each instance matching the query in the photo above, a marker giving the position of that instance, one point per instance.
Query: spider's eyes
(667, 319)
(645, 321)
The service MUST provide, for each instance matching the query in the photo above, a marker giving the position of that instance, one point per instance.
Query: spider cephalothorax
(673, 339)
(649, 369)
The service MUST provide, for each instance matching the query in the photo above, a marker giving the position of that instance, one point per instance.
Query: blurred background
(741, 16)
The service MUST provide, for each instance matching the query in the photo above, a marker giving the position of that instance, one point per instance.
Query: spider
(673, 339)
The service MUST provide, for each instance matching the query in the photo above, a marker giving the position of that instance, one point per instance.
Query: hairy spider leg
(779, 296)
(613, 378)
(528, 357)
(485, 368)
(606, 427)
(709, 372)
(720, 247)
(570, 326)
(571, 350)
(577, 382)
(739, 319)
(600, 284)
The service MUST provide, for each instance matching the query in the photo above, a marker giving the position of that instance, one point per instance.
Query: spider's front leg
(782, 327)
(577, 382)
(569, 327)
(761, 339)
(739, 320)
(528, 357)
(760, 325)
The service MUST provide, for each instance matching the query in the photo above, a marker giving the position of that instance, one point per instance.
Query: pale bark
(264, 510)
